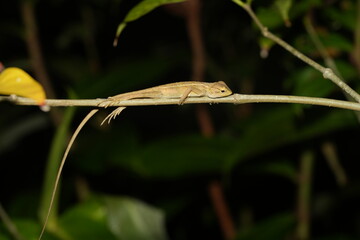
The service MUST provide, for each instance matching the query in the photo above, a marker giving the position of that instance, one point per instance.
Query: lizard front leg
(186, 94)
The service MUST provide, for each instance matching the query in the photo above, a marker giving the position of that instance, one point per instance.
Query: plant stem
(322, 50)
(35, 53)
(327, 72)
(235, 99)
(304, 193)
(222, 211)
(329, 151)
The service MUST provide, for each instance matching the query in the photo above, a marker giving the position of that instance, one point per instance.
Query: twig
(322, 50)
(304, 195)
(35, 53)
(235, 99)
(222, 211)
(331, 156)
(327, 72)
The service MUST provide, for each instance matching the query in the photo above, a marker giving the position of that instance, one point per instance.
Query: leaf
(131, 219)
(181, 156)
(140, 10)
(344, 17)
(275, 227)
(18, 82)
(308, 82)
(87, 221)
(284, 7)
(283, 169)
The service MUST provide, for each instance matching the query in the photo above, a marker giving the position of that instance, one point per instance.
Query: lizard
(177, 90)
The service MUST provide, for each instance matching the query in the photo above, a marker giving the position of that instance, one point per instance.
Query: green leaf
(284, 7)
(87, 221)
(308, 82)
(337, 41)
(145, 7)
(132, 219)
(344, 17)
(284, 169)
(269, 17)
(141, 9)
(275, 227)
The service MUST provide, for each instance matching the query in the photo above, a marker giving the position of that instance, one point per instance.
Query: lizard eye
(222, 90)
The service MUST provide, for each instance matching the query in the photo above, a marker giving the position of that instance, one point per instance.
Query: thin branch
(329, 151)
(35, 53)
(222, 211)
(235, 99)
(323, 52)
(327, 72)
(304, 195)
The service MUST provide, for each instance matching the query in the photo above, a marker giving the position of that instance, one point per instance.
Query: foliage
(148, 173)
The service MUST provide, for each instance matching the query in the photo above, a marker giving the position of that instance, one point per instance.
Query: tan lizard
(181, 90)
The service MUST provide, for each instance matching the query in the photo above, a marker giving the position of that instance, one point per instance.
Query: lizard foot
(113, 114)
(107, 103)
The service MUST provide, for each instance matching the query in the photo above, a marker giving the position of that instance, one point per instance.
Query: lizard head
(218, 89)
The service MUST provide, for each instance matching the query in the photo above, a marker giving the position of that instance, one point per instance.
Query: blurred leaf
(308, 82)
(284, 169)
(284, 7)
(145, 7)
(269, 17)
(273, 228)
(3, 237)
(337, 42)
(186, 155)
(16, 81)
(346, 69)
(140, 10)
(28, 229)
(131, 219)
(277, 127)
(87, 221)
(127, 77)
(17, 130)
(345, 17)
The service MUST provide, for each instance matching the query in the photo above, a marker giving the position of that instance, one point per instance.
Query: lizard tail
(73, 137)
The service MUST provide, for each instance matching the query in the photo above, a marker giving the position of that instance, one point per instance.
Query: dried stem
(327, 72)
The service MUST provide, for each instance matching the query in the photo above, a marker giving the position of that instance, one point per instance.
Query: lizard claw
(113, 115)
(106, 103)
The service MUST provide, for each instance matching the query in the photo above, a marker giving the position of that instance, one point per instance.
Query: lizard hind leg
(113, 114)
